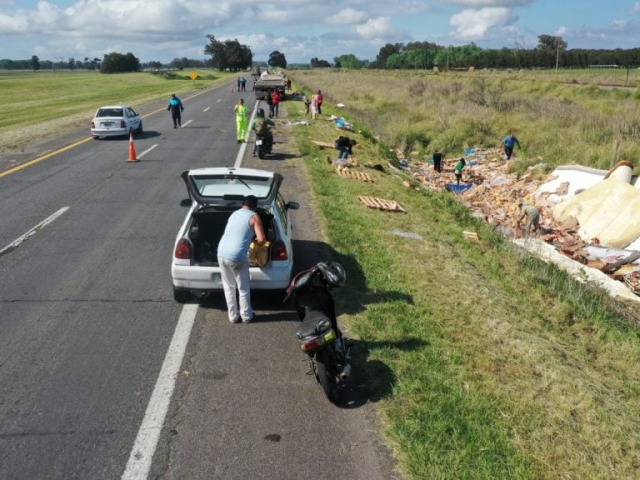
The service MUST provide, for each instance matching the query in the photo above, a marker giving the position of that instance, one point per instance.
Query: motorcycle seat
(310, 324)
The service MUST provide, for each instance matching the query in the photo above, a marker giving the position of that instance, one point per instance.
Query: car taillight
(279, 251)
(183, 249)
(93, 125)
(123, 124)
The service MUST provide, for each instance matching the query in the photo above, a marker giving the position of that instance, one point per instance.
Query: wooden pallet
(381, 204)
(344, 172)
(323, 144)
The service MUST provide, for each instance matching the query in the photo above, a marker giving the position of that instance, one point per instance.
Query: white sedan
(115, 120)
(214, 194)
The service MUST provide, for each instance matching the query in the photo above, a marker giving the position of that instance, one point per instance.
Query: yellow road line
(43, 157)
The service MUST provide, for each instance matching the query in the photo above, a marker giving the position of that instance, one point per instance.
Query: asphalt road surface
(104, 376)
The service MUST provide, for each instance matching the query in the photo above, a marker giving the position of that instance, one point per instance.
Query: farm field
(560, 118)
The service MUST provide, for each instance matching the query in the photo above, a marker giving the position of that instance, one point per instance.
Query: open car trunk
(207, 226)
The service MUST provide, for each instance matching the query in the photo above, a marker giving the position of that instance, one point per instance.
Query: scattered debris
(470, 235)
(345, 172)
(398, 233)
(381, 204)
(495, 196)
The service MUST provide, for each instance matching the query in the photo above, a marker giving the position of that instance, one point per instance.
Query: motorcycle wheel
(261, 150)
(326, 378)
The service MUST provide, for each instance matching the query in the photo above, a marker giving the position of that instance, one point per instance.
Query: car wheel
(181, 296)
(96, 137)
(139, 128)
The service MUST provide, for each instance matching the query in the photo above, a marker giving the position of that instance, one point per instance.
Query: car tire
(139, 128)
(180, 295)
(95, 137)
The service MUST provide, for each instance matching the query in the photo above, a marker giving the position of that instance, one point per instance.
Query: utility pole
(557, 51)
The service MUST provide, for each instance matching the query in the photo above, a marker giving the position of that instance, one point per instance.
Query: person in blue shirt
(243, 227)
(508, 143)
(176, 108)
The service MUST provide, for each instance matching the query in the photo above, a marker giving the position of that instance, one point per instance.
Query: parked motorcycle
(329, 353)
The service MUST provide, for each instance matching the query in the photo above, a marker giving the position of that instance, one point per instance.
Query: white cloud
(475, 24)
(347, 16)
(488, 3)
(635, 9)
(375, 28)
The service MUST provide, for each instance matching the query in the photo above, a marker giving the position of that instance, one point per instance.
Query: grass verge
(485, 363)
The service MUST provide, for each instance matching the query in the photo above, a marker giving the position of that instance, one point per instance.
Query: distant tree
(551, 42)
(349, 61)
(386, 51)
(229, 54)
(35, 63)
(277, 59)
(336, 62)
(317, 63)
(118, 63)
(216, 49)
(72, 63)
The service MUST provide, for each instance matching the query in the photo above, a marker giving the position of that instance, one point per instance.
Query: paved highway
(104, 376)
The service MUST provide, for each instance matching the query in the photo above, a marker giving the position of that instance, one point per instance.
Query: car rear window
(219, 186)
(109, 112)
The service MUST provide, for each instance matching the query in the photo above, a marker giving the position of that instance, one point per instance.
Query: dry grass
(557, 123)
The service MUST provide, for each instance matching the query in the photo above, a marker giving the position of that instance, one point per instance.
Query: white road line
(146, 442)
(186, 123)
(148, 150)
(16, 243)
(206, 109)
(219, 100)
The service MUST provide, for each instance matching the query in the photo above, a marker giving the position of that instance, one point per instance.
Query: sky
(161, 30)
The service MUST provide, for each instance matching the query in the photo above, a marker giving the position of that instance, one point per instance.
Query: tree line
(551, 52)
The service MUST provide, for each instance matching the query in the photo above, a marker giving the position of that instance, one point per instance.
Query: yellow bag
(259, 254)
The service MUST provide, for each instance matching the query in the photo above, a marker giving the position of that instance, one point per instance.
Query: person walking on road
(508, 143)
(243, 227)
(176, 108)
(241, 120)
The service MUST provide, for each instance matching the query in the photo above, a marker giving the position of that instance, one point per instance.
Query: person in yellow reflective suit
(241, 120)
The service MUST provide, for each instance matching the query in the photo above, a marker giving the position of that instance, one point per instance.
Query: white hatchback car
(215, 193)
(115, 120)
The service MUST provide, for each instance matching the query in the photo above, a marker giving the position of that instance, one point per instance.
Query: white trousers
(235, 276)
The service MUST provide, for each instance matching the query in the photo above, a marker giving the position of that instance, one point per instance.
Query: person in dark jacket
(437, 161)
(176, 108)
(345, 145)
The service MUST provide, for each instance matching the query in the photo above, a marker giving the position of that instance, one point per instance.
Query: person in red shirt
(275, 100)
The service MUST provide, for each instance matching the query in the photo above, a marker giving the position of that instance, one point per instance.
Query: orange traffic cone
(132, 149)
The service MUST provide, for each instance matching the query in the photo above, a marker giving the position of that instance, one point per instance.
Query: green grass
(484, 363)
(30, 98)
